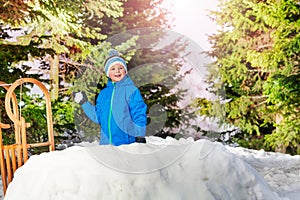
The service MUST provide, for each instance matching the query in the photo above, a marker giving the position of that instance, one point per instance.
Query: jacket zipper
(110, 114)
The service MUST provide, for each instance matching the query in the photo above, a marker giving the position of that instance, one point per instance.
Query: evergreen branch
(259, 97)
(263, 46)
(68, 62)
(261, 103)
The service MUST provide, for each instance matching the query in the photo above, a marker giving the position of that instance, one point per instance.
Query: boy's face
(117, 72)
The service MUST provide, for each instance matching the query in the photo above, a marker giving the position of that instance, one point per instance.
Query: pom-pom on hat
(114, 58)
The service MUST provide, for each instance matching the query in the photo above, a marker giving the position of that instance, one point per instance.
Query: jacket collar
(125, 81)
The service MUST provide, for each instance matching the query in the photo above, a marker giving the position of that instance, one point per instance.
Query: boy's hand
(80, 97)
(140, 140)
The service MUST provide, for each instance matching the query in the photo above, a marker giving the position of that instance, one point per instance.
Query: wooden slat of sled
(10, 162)
(8, 159)
(2, 159)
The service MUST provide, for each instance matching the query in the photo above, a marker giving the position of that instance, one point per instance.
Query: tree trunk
(280, 148)
(54, 81)
(54, 77)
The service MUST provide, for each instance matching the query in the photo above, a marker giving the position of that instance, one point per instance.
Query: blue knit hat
(114, 58)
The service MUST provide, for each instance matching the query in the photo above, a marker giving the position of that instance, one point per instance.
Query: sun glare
(191, 18)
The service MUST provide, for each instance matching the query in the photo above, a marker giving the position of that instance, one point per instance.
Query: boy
(120, 108)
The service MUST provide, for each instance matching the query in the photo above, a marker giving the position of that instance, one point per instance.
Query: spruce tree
(257, 59)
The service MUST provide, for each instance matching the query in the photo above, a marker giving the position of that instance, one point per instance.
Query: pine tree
(257, 59)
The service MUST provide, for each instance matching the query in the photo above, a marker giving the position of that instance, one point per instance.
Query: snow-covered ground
(160, 169)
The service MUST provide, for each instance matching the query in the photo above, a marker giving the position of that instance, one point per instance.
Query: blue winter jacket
(121, 112)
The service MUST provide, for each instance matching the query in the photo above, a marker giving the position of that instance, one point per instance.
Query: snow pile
(160, 169)
(281, 171)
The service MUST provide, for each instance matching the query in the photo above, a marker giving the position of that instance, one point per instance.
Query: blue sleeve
(138, 110)
(90, 111)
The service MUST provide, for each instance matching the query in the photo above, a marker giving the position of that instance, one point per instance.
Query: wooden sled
(13, 156)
